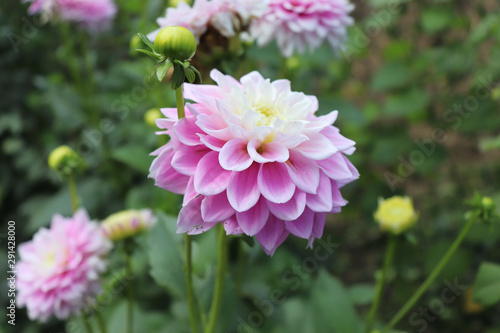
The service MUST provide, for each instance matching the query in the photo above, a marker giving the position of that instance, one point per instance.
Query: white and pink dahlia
(58, 272)
(300, 24)
(253, 155)
(92, 15)
(227, 16)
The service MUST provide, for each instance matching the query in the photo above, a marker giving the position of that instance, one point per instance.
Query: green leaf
(411, 103)
(161, 71)
(178, 76)
(165, 255)
(332, 306)
(136, 157)
(436, 19)
(361, 294)
(391, 76)
(151, 54)
(197, 72)
(189, 75)
(146, 41)
(487, 286)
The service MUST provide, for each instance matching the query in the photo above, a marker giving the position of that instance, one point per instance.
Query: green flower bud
(65, 161)
(151, 115)
(176, 43)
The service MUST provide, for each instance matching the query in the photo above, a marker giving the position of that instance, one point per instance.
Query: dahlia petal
(231, 226)
(212, 142)
(339, 141)
(303, 226)
(317, 148)
(337, 199)
(210, 178)
(165, 175)
(190, 215)
(335, 167)
(253, 220)
(321, 201)
(186, 159)
(243, 191)
(186, 131)
(234, 155)
(216, 208)
(303, 172)
(291, 209)
(322, 122)
(274, 182)
(190, 192)
(272, 235)
(318, 227)
(267, 152)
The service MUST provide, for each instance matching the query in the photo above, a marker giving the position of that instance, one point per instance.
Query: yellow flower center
(268, 114)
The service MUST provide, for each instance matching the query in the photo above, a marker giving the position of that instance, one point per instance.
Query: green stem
(88, 81)
(435, 272)
(73, 193)
(86, 323)
(219, 281)
(240, 270)
(179, 98)
(130, 291)
(389, 256)
(189, 286)
(100, 322)
(70, 57)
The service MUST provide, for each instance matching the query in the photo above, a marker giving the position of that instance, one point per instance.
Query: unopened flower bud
(176, 43)
(127, 223)
(395, 214)
(65, 161)
(151, 115)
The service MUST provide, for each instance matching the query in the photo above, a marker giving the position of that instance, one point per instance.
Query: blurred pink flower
(58, 273)
(93, 15)
(299, 24)
(253, 155)
(227, 16)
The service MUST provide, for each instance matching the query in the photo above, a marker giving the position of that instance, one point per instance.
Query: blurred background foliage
(418, 89)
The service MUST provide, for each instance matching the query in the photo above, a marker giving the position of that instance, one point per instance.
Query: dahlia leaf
(487, 286)
(178, 76)
(146, 41)
(189, 75)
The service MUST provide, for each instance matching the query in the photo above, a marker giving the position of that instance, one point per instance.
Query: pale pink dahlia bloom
(93, 15)
(299, 24)
(58, 272)
(227, 16)
(253, 155)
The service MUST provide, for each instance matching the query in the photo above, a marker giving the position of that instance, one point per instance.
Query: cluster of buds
(173, 48)
(66, 162)
(483, 207)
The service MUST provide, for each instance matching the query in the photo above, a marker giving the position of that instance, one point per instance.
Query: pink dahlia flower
(93, 15)
(252, 155)
(298, 24)
(226, 16)
(58, 273)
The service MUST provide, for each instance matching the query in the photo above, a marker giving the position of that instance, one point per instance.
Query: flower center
(268, 114)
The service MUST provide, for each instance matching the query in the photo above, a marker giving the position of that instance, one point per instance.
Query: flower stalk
(128, 246)
(219, 281)
(389, 256)
(435, 272)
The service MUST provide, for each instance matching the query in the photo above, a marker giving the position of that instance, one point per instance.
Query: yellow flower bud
(175, 43)
(395, 214)
(66, 161)
(151, 115)
(127, 223)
